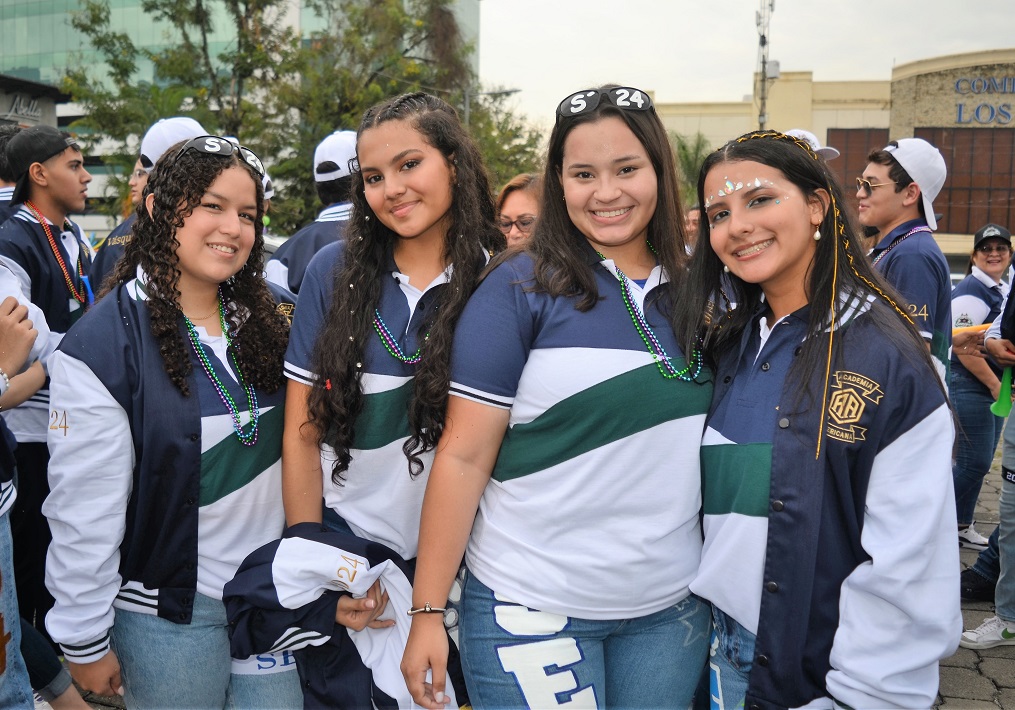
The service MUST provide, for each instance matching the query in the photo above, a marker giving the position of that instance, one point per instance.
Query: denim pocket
(735, 643)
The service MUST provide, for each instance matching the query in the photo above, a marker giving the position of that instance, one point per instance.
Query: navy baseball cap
(36, 144)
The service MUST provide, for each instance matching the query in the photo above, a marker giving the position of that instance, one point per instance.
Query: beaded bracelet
(426, 609)
(6, 379)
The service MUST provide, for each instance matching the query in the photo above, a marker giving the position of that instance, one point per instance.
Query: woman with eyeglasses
(975, 382)
(568, 471)
(166, 436)
(518, 207)
(829, 556)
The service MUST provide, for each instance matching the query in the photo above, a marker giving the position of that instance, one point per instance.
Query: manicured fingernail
(371, 603)
(439, 697)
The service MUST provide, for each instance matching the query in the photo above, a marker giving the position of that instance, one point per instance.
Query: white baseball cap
(925, 164)
(166, 133)
(338, 149)
(828, 153)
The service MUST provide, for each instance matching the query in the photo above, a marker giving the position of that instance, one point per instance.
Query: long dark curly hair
(471, 235)
(178, 184)
(559, 250)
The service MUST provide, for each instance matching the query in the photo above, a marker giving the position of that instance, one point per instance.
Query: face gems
(247, 438)
(730, 187)
(659, 355)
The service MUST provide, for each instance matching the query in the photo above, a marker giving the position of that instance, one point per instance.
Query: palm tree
(690, 153)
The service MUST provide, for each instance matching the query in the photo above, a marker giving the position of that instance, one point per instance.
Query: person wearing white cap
(334, 164)
(827, 152)
(896, 196)
(164, 133)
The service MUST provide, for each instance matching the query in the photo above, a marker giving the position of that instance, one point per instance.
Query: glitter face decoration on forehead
(729, 187)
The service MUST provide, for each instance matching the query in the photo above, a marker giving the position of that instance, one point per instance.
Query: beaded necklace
(247, 438)
(392, 346)
(655, 348)
(79, 296)
(897, 241)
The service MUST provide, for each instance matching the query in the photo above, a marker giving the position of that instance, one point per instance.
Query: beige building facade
(964, 104)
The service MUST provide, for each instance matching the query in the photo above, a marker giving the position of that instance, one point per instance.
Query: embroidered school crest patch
(286, 309)
(847, 402)
(964, 321)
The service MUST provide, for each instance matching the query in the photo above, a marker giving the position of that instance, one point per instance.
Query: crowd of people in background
(583, 441)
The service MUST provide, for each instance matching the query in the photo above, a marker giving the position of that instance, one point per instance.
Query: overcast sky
(693, 50)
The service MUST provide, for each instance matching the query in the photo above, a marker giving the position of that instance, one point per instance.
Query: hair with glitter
(178, 185)
(369, 244)
(839, 268)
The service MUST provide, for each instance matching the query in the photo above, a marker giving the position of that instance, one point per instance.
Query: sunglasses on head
(625, 98)
(217, 145)
(866, 187)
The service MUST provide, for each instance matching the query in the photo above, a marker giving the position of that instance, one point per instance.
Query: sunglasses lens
(630, 99)
(579, 103)
(863, 186)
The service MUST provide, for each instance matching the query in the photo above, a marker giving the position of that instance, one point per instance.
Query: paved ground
(970, 680)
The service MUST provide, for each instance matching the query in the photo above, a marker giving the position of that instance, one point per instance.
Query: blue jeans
(976, 441)
(167, 665)
(15, 691)
(516, 657)
(730, 658)
(988, 562)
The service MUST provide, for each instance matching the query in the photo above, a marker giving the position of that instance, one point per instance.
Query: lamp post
(762, 19)
(469, 93)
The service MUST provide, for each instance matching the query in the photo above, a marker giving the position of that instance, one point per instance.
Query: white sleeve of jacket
(994, 331)
(899, 614)
(90, 478)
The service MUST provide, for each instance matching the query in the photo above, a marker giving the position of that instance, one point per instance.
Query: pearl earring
(817, 235)
(725, 268)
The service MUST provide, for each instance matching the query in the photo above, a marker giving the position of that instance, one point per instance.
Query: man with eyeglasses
(164, 134)
(896, 196)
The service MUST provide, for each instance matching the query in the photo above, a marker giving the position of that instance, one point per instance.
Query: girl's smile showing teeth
(752, 250)
(223, 248)
(611, 213)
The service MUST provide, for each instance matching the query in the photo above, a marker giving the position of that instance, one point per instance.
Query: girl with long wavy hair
(166, 424)
(568, 470)
(829, 516)
(368, 361)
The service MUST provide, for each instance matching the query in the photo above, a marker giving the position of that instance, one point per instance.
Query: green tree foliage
(278, 92)
(691, 153)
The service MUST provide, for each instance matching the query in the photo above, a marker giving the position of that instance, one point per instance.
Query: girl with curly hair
(829, 516)
(368, 360)
(568, 470)
(166, 435)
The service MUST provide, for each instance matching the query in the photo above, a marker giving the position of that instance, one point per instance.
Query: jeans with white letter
(168, 665)
(516, 657)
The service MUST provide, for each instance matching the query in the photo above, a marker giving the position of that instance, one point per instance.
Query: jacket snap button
(772, 586)
(763, 661)
(784, 423)
(777, 506)
(726, 380)
(194, 437)
(765, 367)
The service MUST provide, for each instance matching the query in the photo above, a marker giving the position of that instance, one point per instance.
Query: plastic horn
(1002, 407)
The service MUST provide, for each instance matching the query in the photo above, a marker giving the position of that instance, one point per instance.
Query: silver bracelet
(426, 609)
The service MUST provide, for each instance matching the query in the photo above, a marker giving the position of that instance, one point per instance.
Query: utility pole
(762, 18)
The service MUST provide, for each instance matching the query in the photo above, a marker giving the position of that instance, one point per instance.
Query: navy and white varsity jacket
(284, 597)
(110, 251)
(126, 518)
(288, 265)
(859, 596)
